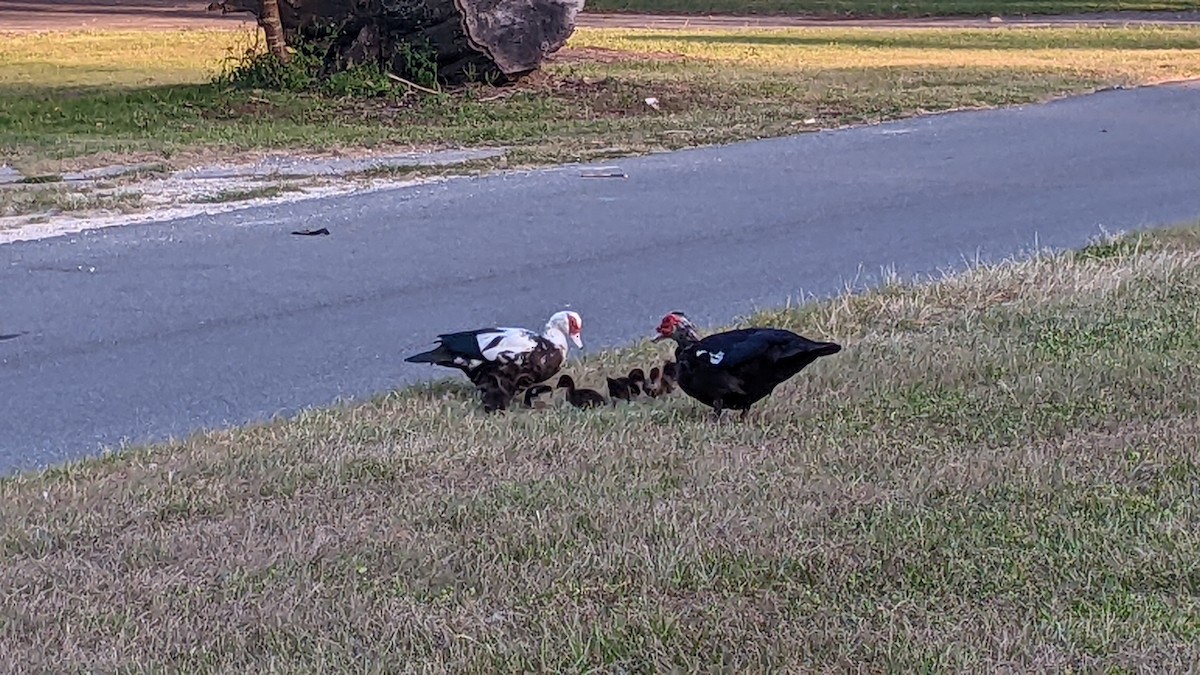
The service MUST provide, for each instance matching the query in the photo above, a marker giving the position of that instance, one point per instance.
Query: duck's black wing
(475, 346)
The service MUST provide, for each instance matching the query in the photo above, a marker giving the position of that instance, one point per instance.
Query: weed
(257, 68)
(418, 64)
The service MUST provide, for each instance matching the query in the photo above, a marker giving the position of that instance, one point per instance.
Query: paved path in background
(675, 22)
(143, 331)
(29, 15)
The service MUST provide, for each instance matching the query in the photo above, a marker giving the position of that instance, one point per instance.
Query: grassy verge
(83, 99)
(999, 470)
(21, 201)
(891, 8)
(241, 195)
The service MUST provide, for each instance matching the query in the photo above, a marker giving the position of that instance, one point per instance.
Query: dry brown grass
(15, 201)
(997, 472)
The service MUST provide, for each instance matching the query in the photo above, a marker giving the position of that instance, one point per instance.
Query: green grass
(876, 8)
(997, 472)
(243, 194)
(84, 99)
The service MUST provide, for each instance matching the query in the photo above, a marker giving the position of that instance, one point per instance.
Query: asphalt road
(140, 332)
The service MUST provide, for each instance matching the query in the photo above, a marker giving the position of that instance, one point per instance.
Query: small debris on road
(311, 233)
(615, 174)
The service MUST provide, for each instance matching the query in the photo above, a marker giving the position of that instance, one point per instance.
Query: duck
(532, 394)
(495, 393)
(668, 381)
(662, 380)
(653, 385)
(626, 388)
(580, 398)
(737, 368)
(503, 361)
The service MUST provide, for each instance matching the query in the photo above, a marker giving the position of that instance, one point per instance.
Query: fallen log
(453, 41)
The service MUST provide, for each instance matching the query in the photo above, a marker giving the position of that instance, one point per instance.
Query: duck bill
(659, 338)
(577, 340)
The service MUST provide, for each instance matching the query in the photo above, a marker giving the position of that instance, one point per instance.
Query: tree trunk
(268, 19)
(453, 41)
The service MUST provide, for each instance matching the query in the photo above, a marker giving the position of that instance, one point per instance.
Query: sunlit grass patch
(90, 98)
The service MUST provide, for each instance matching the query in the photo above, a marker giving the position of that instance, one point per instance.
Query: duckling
(495, 395)
(580, 398)
(662, 381)
(532, 394)
(653, 385)
(619, 389)
(637, 378)
(626, 388)
(670, 378)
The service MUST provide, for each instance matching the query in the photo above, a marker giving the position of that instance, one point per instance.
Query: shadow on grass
(102, 110)
(72, 121)
(1030, 40)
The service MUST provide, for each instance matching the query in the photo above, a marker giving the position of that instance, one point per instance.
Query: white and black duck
(737, 368)
(501, 362)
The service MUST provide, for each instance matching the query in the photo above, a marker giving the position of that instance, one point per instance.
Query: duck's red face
(670, 323)
(575, 328)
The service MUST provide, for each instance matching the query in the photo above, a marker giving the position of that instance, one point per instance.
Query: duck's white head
(569, 324)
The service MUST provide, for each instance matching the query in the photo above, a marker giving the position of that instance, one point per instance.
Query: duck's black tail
(437, 355)
(807, 351)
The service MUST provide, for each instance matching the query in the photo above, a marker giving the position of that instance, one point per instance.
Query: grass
(243, 194)
(998, 471)
(891, 8)
(23, 201)
(90, 98)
